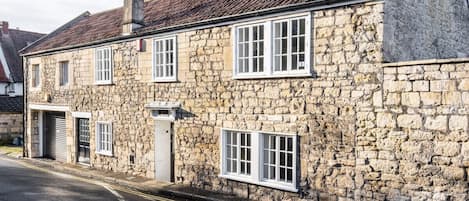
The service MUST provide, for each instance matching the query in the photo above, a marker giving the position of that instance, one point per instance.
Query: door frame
(44, 123)
(171, 154)
(76, 116)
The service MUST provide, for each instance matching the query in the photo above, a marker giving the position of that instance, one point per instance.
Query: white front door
(163, 153)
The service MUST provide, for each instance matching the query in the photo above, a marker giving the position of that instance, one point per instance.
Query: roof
(159, 15)
(11, 44)
(11, 104)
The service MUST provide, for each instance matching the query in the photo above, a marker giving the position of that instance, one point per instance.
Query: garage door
(60, 139)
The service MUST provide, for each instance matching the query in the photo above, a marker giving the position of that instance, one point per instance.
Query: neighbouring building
(268, 100)
(11, 80)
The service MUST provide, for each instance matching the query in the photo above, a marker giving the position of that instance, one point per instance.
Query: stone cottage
(11, 80)
(268, 100)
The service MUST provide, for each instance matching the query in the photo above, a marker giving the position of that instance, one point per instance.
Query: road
(21, 183)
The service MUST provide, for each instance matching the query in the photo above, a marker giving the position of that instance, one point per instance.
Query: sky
(44, 16)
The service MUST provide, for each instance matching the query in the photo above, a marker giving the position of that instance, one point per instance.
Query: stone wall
(416, 142)
(430, 29)
(365, 131)
(11, 126)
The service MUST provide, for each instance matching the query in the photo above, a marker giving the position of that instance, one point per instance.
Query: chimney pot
(133, 16)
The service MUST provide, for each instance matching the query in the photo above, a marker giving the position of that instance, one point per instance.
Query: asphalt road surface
(20, 183)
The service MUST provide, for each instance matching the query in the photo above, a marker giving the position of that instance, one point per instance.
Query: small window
(278, 158)
(238, 153)
(277, 47)
(63, 73)
(251, 48)
(290, 45)
(260, 158)
(104, 138)
(103, 67)
(35, 76)
(164, 60)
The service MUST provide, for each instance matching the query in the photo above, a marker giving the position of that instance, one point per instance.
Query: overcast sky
(45, 16)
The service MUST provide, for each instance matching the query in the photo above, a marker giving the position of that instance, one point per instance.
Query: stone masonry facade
(366, 130)
(11, 126)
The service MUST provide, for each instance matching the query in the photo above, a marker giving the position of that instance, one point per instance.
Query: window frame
(269, 37)
(61, 74)
(36, 78)
(99, 149)
(175, 59)
(111, 66)
(257, 161)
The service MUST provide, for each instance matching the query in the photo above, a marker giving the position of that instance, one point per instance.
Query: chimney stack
(133, 16)
(4, 27)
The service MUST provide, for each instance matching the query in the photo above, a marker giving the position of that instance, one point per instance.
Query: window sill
(250, 77)
(103, 83)
(169, 80)
(104, 153)
(279, 186)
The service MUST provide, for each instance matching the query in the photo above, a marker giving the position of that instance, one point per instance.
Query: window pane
(266, 172)
(284, 63)
(290, 176)
(294, 27)
(284, 46)
(302, 44)
(294, 60)
(289, 160)
(228, 152)
(290, 144)
(277, 30)
(284, 29)
(243, 154)
(282, 143)
(228, 165)
(282, 159)
(235, 152)
(302, 26)
(235, 166)
(282, 174)
(272, 172)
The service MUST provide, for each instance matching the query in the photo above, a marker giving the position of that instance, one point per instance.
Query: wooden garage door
(60, 139)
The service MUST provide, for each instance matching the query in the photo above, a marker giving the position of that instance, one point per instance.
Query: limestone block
(442, 85)
(393, 99)
(448, 149)
(458, 123)
(397, 86)
(385, 120)
(430, 98)
(409, 121)
(421, 85)
(464, 85)
(439, 123)
(411, 99)
(452, 98)
(465, 98)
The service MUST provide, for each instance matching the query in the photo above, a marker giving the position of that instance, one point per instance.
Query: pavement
(47, 178)
(22, 183)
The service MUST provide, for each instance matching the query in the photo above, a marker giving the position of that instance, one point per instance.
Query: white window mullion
(268, 53)
(289, 45)
(256, 162)
(277, 158)
(251, 50)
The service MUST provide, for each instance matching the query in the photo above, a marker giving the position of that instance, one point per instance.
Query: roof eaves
(310, 5)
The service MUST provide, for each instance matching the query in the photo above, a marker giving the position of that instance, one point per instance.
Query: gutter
(301, 7)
